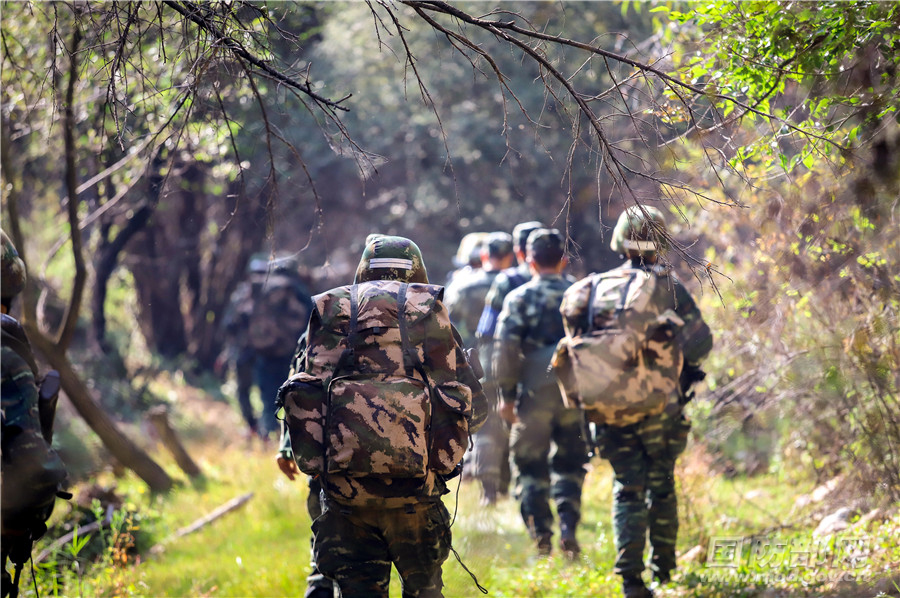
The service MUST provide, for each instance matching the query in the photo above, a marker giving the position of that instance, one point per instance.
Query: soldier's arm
(507, 355)
(695, 337)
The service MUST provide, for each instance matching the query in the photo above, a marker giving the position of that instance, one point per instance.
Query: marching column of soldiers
(548, 443)
(507, 307)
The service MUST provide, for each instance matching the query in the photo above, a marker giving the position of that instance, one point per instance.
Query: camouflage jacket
(530, 321)
(32, 470)
(465, 298)
(438, 346)
(694, 338)
(507, 280)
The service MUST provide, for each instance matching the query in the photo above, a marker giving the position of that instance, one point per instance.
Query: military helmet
(520, 234)
(640, 228)
(14, 274)
(391, 258)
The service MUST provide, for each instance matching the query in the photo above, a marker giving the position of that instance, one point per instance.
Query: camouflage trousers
(643, 458)
(356, 546)
(549, 452)
(491, 453)
(316, 583)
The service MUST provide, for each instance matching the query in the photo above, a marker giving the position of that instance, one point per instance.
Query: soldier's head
(469, 251)
(640, 233)
(520, 238)
(497, 251)
(391, 258)
(545, 250)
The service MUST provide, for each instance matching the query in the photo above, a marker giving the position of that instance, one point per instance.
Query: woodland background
(149, 149)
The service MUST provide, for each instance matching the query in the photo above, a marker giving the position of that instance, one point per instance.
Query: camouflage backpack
(366, 404)
(625, 366)
(278, 314)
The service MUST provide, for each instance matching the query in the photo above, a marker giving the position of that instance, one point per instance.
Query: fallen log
(159, 417)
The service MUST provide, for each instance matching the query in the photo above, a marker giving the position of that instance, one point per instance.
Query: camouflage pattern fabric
(379, 352)
(32, 471)
(506, 281)
(694, 337)
(530, 323)
(626, 365)
(357, 546)
(279, 314)
(643, 454)
(643, 459)
(465, 298)
(12, 273)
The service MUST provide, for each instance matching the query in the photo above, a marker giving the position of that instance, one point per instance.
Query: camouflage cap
(13, 269)
(498, 244)
(391, 258)
(545, 246)
(640, 228)
(520, 234)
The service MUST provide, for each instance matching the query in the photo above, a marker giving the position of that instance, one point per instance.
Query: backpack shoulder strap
(410, 356)
(349, 352)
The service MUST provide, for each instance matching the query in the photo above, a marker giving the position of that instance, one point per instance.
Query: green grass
(262, 548)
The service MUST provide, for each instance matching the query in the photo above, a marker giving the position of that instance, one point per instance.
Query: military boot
(633, 587)
(545, 544)
(568, 522)
(488, 493)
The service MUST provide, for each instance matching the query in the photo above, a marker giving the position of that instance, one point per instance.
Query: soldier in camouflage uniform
(369, 523)
(238, 354)
(278, 309)
(643, 454)
(32, 472)
(468, 257)
(547, 441)
(465, 298)
(492, 441)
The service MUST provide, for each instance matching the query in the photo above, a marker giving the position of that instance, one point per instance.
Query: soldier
(547, 441)
(465, 299)
(468, 256)
(317, 585)
(238, 354)
(491, 448)
(643, 454)
(370, 520)
(33, 474)
(274, 315)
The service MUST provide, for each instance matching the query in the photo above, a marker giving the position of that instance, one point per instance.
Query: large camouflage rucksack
(625, 366)
(279, 313)
(367, 404)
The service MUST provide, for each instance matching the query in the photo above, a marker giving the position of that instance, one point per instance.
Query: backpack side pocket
(451, 411)
(303, 398)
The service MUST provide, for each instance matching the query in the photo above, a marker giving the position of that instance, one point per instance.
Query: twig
(231, 505)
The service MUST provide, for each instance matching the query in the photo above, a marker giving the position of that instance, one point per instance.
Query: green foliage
(813, 78)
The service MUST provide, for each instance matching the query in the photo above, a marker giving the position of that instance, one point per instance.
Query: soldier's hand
(288, 467)
(507, 412)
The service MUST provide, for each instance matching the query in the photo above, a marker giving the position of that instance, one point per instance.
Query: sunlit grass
(262, 547)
